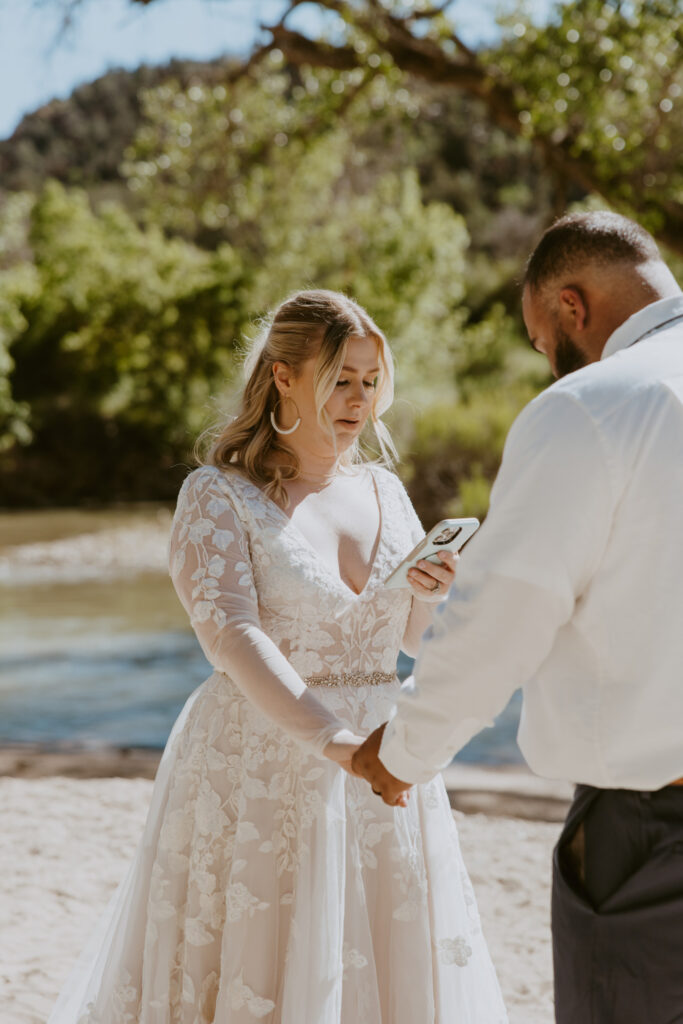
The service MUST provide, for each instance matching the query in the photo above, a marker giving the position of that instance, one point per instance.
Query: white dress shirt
(573, 587)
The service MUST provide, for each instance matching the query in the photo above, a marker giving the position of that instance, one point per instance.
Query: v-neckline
(330, 572)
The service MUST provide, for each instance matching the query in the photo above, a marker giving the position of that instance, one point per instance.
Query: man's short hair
(599, 237)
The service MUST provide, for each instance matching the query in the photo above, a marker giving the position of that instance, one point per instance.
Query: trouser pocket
(573, 918)
(618, 931)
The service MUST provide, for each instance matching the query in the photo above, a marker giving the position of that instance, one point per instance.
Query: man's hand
(366, 762)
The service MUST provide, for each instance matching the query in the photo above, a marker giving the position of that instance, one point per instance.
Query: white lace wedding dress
(269, 884)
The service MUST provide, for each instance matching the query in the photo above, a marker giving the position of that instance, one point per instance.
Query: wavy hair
(306, 325)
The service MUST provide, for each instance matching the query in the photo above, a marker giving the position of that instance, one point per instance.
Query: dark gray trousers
(617, 908)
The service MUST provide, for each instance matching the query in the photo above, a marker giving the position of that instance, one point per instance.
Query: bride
(270, 883)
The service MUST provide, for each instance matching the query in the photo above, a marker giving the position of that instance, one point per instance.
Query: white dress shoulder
(269, 884)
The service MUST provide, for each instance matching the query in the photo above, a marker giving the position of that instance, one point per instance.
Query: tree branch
(425, 59)
(299, 49)
(430, 13)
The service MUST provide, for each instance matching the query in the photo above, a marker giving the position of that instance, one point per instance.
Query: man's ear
(282, 374)
(573, 308)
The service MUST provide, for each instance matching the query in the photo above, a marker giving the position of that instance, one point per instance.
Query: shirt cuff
(397, 760)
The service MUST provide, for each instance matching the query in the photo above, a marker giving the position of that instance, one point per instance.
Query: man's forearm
(485, 642)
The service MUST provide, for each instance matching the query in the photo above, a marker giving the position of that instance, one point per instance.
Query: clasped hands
(366, 763)
(361, 757)
(427, 580)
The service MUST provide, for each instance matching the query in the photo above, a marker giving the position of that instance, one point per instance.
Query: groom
(573, 589)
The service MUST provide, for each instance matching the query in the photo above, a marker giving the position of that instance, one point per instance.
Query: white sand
(65, 844)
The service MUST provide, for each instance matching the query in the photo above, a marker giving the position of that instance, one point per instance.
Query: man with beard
(573, 589)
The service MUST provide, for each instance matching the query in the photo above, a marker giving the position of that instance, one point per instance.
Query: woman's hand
(430, 581)
(342, 748)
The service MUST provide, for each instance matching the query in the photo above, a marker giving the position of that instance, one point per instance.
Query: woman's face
(348, 406)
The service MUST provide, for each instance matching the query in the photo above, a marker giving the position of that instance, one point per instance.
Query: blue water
(106, 657)
(127, 690)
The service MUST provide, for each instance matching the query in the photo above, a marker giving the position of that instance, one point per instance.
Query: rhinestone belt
(352, 679)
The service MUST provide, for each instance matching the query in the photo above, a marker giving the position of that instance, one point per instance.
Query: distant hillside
(494, 180)
(80, 141)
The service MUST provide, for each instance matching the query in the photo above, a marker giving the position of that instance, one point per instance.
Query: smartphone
(448, 535)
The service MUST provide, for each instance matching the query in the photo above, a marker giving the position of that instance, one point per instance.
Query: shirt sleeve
(517, 583)
(210, 567)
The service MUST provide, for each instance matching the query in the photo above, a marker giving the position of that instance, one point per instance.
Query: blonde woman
(270, 883)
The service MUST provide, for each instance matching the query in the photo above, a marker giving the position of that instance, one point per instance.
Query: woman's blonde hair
(307, 324)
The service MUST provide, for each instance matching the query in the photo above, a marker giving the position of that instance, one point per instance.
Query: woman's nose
(358, 395)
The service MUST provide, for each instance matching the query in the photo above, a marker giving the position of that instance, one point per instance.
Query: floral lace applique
(241, 995)
(412, 881)
(256, 837)
(454, 951)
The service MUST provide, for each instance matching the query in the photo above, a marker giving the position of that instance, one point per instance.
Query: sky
(39, 62)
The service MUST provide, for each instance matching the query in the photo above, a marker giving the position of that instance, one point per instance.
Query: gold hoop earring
(281, 430)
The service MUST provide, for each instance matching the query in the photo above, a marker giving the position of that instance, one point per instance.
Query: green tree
(309, 205)
(118, 339)
(598, 90)
(19, 282)
(119, 334)
(319, 204)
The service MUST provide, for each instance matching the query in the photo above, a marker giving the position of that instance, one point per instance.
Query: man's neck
(647, 283)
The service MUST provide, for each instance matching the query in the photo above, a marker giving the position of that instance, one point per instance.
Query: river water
(95, 648)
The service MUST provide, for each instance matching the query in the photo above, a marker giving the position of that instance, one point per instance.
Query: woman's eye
(366, 383)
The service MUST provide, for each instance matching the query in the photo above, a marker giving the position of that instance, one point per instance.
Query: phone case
(436, 540)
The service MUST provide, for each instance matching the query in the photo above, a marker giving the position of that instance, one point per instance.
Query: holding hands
(366, 763)
(430, 582)
(360, 757)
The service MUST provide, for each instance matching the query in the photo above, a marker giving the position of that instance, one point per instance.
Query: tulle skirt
(270, 885)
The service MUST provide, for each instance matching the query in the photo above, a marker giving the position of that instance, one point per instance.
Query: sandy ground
(65, 843)
(140, 546)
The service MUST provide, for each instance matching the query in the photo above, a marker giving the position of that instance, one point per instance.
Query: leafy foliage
(311, 204)
(604, 83)
(456, 451)
(114, 333)
(120, 335)
(598, 90)
(386, 160)
(19, 280)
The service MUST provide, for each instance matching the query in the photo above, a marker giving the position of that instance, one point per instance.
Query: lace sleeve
(211, 570)
(421, 612)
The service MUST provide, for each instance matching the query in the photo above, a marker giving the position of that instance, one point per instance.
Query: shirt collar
(646, 320)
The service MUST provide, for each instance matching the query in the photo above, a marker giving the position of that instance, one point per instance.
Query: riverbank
(66, 843)
(509, 792)
(96, 649)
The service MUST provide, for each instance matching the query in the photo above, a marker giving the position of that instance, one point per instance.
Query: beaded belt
(352, 679)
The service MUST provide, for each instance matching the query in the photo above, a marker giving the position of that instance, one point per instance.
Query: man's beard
(568, 355)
